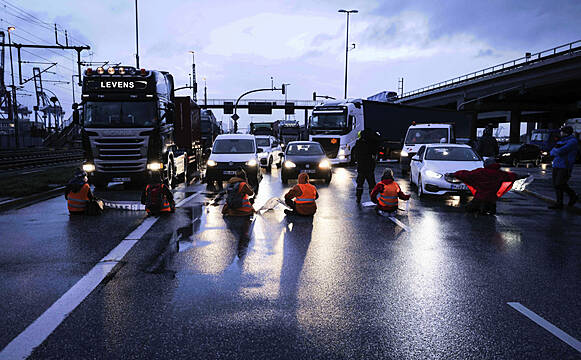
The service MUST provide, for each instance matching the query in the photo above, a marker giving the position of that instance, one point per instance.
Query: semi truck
(288, 130)
(336, 124)
(264, 128)
(210, 128)
(133, 127)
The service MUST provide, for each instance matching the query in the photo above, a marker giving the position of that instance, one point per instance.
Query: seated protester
(237, 193)
(386, 193)
(487, 185)
(78, 193)
(305, 195)
(157, 197)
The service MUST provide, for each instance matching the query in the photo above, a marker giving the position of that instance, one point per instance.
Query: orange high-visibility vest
(246, 206)
(77, 201)
(165, 207)
(308, 196)
(389, 195)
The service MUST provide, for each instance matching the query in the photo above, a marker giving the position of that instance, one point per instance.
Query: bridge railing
(566, 49)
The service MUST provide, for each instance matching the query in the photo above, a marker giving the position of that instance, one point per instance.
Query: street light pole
(194, 81)
(136, 37)
(205, 94)
(14, 109)
(348, 12)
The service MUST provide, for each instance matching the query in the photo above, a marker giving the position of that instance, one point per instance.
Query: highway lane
(346, 284)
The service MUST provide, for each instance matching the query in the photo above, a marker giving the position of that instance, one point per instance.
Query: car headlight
(251, 162)
(154, 166)
(342, 152)
(211, 163)
(433, 174)
(404, 153)
(289, 164)
(507, 154)
(325, 164)
(88, 167)
(544, 153)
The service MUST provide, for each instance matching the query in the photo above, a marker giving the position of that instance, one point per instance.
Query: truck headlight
(88, 167)
(289, 164)
(342, 152)
(211, 163)
(544, 153)
(325, 164)
(251, 162)
(404, 153)
(154, 166)
(433, 174)
(506, 154)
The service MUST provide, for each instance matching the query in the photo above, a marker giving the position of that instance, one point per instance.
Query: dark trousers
(362, 176)
(560, 179)
(479, 206)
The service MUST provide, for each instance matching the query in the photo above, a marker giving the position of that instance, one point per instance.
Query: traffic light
(289, 108)
(283, 89)
(314, 96)
(228, 107)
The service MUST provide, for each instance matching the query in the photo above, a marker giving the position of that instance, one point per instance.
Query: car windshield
(304, 149)
(262, 142)
(120, 114)
(336, 121)
(427, 136)
(451, 154)
(540, 137)
(233, 146)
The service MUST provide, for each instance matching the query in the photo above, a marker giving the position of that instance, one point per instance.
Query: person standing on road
(487, 184)
(487, 145)
(364, 154)
(238, 191)
(387, 192)
(157, 197)
(304, 195)
(78, 193)
(564, 152)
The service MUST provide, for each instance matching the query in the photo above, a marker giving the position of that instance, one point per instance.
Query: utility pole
(194, 83)
(136, 36)
(205, 94)
(348, 12)
(14, 107)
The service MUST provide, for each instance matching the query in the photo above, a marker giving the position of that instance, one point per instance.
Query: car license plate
(229, 172)
(459, 187)
(121, 179)
(309, 171)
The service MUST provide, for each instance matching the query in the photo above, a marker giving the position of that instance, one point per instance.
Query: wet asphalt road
(346, 284)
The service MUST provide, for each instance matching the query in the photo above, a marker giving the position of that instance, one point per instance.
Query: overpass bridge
(541, 88)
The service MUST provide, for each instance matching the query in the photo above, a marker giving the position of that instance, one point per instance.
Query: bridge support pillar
(473, 126)
(306, 118)
(515, 117)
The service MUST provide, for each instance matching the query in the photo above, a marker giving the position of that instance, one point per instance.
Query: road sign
(235, 117)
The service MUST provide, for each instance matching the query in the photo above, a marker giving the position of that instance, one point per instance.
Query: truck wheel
(269, 165)
(186, 168)
(170, 174)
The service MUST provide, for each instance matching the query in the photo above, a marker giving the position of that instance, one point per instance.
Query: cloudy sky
(239, 45)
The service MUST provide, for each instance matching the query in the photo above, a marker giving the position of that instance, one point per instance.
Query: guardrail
(21, 159)
(567, 49)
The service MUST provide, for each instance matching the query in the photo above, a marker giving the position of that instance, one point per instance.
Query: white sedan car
(429, 166)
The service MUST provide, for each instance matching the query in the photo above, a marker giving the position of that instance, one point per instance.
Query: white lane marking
(142, 229)
(563, 336)
(183, 201)
(36, 333)
(397, 222)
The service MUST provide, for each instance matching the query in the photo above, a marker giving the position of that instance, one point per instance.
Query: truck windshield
(233, 146)
(119, 114)
(330, 121)
(427, 136)
(290, 131)
(451, 154)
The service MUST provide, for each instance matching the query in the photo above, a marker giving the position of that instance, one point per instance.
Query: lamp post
(194, 83)
(205, 93)
(348, 12)
(14, 107)
(136, 37)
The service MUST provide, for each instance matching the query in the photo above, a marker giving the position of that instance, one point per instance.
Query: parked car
(429, 166)
(231, 151)
(516, 154)
(272, 152)
(308, 157)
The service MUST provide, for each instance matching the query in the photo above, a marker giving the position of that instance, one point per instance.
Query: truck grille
(121, 154)
(330, 149)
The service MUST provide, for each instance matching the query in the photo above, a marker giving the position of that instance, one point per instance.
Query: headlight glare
(211, 163)
(433, 174)
(325, 164)
(251, 162)
(404, 153)
(154, 166)
(88, 167)
(289, 164)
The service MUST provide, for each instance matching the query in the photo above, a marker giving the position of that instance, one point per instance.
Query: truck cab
(422, 134)
(335, 125)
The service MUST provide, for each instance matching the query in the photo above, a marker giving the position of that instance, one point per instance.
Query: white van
(230, 152)
(271, 154)
(421, 134)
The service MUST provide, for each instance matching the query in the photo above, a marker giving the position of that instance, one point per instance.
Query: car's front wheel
(412, 185)
(421, 193)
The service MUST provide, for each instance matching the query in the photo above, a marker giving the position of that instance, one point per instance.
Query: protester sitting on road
(238, 191)
(304, 195)
(386, 193)
(157, 197)
(565, 152)
(487, 185)
(78, 193)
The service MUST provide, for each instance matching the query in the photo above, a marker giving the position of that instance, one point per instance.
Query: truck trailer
(133, 127)
(335, 124)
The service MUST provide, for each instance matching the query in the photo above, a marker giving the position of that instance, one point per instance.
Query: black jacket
(364, 154)
(487, 146)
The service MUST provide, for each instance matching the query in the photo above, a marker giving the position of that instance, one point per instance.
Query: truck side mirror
(76, 116)
(259, 150)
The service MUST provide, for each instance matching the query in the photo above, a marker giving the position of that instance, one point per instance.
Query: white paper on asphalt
(270, 204)
(521, 184)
